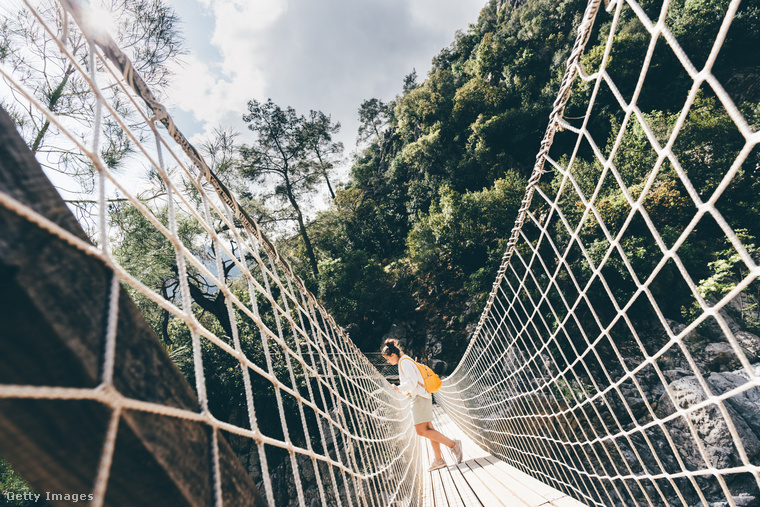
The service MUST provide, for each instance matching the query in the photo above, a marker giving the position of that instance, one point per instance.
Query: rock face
(715, 435)
(396, 332)
(712, 426)
(708, 347)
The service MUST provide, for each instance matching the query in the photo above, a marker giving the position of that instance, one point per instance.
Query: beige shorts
(422, 410)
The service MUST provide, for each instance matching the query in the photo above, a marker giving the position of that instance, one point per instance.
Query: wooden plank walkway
(482, 479)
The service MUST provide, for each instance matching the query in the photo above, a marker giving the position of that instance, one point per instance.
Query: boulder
(746, 403)
(710, 425)
(734, 315)
(750, 344)
(707, 345)
(469, 329)
(743, 500)
(720, 357)
(433, 345)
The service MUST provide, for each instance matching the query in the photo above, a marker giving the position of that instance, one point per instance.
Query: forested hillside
(417, 234)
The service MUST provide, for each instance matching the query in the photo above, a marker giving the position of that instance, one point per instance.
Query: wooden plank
(54, 301)
(485, 493)
(428, 500)
(457, 494)
(467, 495)
(543, 490)
(427, 487)
(566, 501)
(489, 480)
(494, 484)
(449, 488)
(472, 489)
(436, 490)
(526, 494)
(467, 489)
(445, 425)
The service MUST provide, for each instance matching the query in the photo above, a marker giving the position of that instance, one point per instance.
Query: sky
(327, 55)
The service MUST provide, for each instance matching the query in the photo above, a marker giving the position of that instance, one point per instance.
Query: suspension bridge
(563, 396)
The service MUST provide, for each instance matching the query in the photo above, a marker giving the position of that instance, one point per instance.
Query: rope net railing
(617, 356)
(303, 408)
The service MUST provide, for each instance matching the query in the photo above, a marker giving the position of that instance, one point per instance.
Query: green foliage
(147, 254)
(373, 117)
(11, 482)
(705, 146)
(725, 272)
(355, 239)
(148, 31)
(359, 291)
(223, 378)
(571, 392)
(466, 229)
(143, 251)
(417, 234)
(476, 98)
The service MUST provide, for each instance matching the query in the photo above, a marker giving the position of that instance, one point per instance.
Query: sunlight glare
(101, 19)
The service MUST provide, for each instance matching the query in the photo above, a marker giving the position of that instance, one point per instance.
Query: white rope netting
(581, 372)
(320, 418)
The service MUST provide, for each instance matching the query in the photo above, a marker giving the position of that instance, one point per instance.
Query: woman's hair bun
(390, 347)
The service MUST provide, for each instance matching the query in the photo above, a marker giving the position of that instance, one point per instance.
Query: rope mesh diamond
(330, 426)
(578, 372)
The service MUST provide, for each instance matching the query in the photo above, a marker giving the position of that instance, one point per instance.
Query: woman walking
(411, 384)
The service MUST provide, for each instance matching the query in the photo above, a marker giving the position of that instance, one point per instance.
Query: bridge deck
(483, 480)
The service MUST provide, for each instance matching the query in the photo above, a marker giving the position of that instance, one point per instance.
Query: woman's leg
(436, 438)
(436, 449)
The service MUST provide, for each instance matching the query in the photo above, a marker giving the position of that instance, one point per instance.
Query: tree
(410, 82)
(281, 151)
(317, 133)
(149, 256)
(146, 30)
(222, 151)
(373, 116)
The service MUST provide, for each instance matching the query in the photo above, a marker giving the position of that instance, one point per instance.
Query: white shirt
(411, 379)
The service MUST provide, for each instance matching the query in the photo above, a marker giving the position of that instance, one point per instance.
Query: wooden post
(53, 310)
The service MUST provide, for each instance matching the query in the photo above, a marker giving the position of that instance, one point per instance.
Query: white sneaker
(437, 464)
(457, 451)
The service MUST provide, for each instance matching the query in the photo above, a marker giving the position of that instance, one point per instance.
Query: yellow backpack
(430, 380)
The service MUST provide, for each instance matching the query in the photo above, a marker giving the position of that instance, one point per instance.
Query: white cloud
(428, 13)
(328, 55)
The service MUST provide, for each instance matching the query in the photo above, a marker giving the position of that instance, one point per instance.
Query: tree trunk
(165, 319)
(54, 98)
(304, 235)
(216, 306)
(329, 187)
(324, 172)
